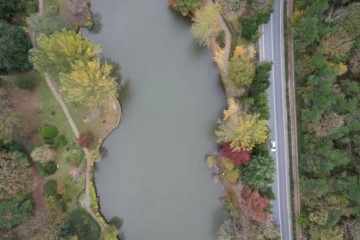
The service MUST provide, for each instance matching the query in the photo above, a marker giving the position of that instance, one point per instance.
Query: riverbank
(246, 197)
(110, 114)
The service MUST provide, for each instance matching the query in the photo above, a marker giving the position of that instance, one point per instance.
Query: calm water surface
(154, 176)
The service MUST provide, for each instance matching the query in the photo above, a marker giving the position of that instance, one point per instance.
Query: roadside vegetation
(243, 164)
(327, 67)
(42, 163)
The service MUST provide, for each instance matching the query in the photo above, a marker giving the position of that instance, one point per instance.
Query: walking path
(293, 127)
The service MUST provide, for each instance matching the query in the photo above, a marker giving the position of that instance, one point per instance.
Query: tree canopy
(14, 173)
(14, 47)
(205, 23)
(259, 172)
(57, 52)
(241, 70)
(184, 6)
(89, 83)
(243, 132)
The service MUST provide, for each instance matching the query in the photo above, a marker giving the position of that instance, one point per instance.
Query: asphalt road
(271, 46)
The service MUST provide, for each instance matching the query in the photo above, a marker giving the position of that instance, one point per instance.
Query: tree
(230, 171)
(241, 71)
(260, 82)
(9, 8)
(43, 154)
(314, 188)
(14, 47)
(15, 174)
(89, 83)
(59, 51)
(230, 230)
(238, 157)
(319, 233)
(319, 217)
(337, 44)
(184, 6)
(254, 205)
(327, 125)
(14, 212)
(351, 24)
(86, 139)
(260, 172)
(243, 132)
(205, 23)
(354, 62)
(46, 23)
(11, 127)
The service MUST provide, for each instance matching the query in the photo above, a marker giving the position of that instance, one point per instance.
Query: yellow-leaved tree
(57, 52)
(205, 23)
(243, 132)
(90, 83)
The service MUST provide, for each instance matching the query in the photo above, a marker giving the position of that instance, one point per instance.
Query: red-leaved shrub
(254, 204)
(238, 157)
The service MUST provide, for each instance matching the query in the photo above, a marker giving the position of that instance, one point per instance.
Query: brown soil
(28, 104)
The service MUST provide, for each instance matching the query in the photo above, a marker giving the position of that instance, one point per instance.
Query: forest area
(327, 68)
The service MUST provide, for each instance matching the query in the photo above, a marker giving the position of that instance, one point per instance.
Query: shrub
(14, 212)
(47, 168)
(50, 188)
(43, 154)
(48, 131)
(86, 139)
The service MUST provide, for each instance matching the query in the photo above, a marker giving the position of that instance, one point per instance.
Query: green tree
(15, 174)
(314, 188)
(241, 71)
(243, 133)
(46, 23)
(185, 6)
(14, 47)
(205, 23)
(89, 83)
(352, 22)
(9, 8)
(259, 173)
(59, 51)
(14, 212)
(260, 82)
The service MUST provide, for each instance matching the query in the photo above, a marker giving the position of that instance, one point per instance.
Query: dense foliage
(184, 6)
(82, 225)
(14, 49)
(15, 173)
(9, 8)
(325, 45)
(57, 52)
(14, 212)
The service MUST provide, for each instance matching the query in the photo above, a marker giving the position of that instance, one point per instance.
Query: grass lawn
(70, 156)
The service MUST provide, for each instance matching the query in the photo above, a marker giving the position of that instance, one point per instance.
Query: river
(154, 175)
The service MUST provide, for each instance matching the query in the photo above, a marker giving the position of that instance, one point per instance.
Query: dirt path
(293, 127)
